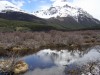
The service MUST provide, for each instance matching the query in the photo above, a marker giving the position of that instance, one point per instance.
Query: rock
(20, 67)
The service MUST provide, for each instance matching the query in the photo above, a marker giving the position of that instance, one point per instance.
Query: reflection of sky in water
(50, 62)
(48, 58)
(36, 61)
(92, 56)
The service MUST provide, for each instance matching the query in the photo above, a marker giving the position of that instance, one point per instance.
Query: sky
(91, 6)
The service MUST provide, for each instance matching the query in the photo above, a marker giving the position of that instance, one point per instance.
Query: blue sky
(91, 6)
(33, 5)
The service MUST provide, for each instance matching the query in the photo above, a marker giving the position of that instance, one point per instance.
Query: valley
(60, 40)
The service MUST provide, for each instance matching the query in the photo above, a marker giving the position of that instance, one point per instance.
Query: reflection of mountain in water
(51, 60)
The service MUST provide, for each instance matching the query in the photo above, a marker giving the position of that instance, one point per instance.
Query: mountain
(63, 9)
(57, 17)
(13, 18)
(64, 15)
(12, 12)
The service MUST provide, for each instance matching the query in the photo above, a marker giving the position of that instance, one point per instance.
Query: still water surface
(53, 62)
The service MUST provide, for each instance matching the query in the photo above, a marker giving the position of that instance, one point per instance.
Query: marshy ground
(19, 44)
(30, 42)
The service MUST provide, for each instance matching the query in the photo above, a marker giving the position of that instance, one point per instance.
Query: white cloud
(19, 3)
(29, 1)
(44, 7)
(91, 6)
(58, 0)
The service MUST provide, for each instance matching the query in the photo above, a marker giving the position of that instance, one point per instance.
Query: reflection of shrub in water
(91, 68)
(72, 69)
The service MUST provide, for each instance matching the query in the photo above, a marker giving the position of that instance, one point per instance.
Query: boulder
(20, 67)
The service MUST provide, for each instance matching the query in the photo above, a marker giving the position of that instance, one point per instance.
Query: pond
(53, 62)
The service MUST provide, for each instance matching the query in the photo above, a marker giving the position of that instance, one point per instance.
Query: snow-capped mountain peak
(8, 6)
(62, 8)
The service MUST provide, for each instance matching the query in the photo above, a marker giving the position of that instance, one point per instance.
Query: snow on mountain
(8, 6)
(62, 9)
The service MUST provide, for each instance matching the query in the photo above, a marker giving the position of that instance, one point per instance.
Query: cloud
(29, 1)
(91, 6)
(42, 1)
(44, 7)
(58, 0)
(18, 3)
